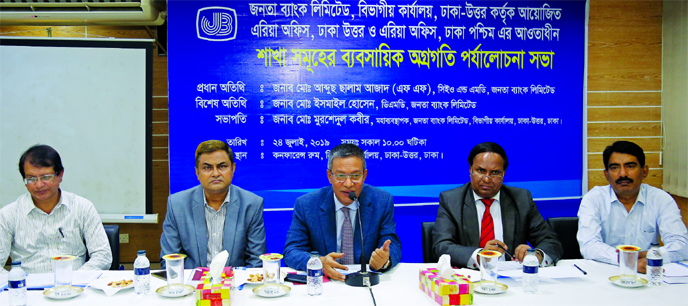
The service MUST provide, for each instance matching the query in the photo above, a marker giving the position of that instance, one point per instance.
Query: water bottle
(530, 272)
(141, 273)
(315, 275)
(654, 272)
(17, 285)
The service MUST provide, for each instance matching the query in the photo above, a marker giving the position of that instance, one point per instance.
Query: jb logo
(216, 23)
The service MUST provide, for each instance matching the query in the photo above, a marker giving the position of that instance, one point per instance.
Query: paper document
(509, 265)
(673, 269)
(47, 280)
(473, 275)
(546, 272)
(352, 269)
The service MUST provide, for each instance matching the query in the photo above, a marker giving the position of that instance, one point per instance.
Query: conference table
(400, 286)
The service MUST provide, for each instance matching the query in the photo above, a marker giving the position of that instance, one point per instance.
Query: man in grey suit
(484, 214)
(214, 216)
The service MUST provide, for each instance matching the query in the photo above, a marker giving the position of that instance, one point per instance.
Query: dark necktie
(347, 239)
(487, 225)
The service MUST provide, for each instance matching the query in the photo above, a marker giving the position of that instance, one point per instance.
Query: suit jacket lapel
(328, 222)
(508, 219)
(470, 219)
(231, 222)
(200, 227)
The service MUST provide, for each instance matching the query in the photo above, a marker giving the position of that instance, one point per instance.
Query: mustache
(624, 179)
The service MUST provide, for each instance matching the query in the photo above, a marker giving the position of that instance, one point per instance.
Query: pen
(61, 233)
(680, 263)
(577, 267)
(507, 253)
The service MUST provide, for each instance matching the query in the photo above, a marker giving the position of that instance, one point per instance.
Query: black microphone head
(352, 196)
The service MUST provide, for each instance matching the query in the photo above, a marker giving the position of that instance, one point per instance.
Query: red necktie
(487, 226)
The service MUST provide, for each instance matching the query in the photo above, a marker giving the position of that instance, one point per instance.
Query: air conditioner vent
(82, 12)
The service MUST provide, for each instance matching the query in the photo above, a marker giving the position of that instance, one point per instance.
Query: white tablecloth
(400, 287)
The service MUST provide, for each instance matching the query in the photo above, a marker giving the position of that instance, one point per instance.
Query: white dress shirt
(496, 212)
(604, 223)
(353, 207)
(31, 236)
(215, 227)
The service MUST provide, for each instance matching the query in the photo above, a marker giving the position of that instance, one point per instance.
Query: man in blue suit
(214, 216)
(326, 220)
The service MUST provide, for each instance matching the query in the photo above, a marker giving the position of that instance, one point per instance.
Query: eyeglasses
(44, 178)
(341, 178)
(493, 177)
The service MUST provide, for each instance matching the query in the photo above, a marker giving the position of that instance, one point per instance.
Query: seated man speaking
(215, 215)
(326, 220)
(48, 221)
(628, 212)
(484, 214)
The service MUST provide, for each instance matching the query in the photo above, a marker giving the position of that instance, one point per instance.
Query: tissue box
(455, 291)
(208, 294)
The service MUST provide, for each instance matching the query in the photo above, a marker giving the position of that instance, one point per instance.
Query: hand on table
(642, 265)
(329, 264)
(494, 245)
(380, 256)
(521, 251)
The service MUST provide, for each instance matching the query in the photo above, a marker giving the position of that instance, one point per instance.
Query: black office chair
(112, 233)
(566, 229)
(427, 242)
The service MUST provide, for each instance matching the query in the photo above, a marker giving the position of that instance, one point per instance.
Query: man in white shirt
(628, 212)
(47, 221)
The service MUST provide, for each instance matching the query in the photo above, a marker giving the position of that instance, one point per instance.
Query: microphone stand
(362, 278)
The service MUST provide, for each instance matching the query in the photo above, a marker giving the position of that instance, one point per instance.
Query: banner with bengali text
(415, 84)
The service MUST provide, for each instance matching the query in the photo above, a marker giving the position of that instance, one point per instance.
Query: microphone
(362, 278)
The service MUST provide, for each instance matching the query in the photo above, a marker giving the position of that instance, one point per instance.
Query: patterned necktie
(347, 239)
(487, 226)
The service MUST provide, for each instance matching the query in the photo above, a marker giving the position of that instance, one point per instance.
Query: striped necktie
(347, 239)
(487, 225)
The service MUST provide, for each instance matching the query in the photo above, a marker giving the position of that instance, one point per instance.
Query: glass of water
(271, 273)
(62, 270)
(174, 265)
(628, 263)
(488, 269)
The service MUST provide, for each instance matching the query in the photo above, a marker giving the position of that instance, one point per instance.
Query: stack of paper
(676, 273)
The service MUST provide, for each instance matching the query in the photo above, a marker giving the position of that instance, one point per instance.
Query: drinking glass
(174, 265)
(62, 270)
(488, 269)
(271, 273)
(628, 263)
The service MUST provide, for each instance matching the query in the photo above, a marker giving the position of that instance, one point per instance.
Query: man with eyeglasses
(628, 212)
(326, 220)
(484, 214)
(216, 215)
(48, 221)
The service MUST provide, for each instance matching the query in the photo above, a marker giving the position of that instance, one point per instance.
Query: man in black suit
(464, 226)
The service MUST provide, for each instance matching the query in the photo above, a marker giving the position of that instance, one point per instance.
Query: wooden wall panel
(624, 69)
(625, 114)
(648, 144)
(622, 129)
(624, 98)
(683, 206)
(625, 45)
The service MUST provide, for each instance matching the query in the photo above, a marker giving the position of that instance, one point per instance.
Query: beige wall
(624, 95)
